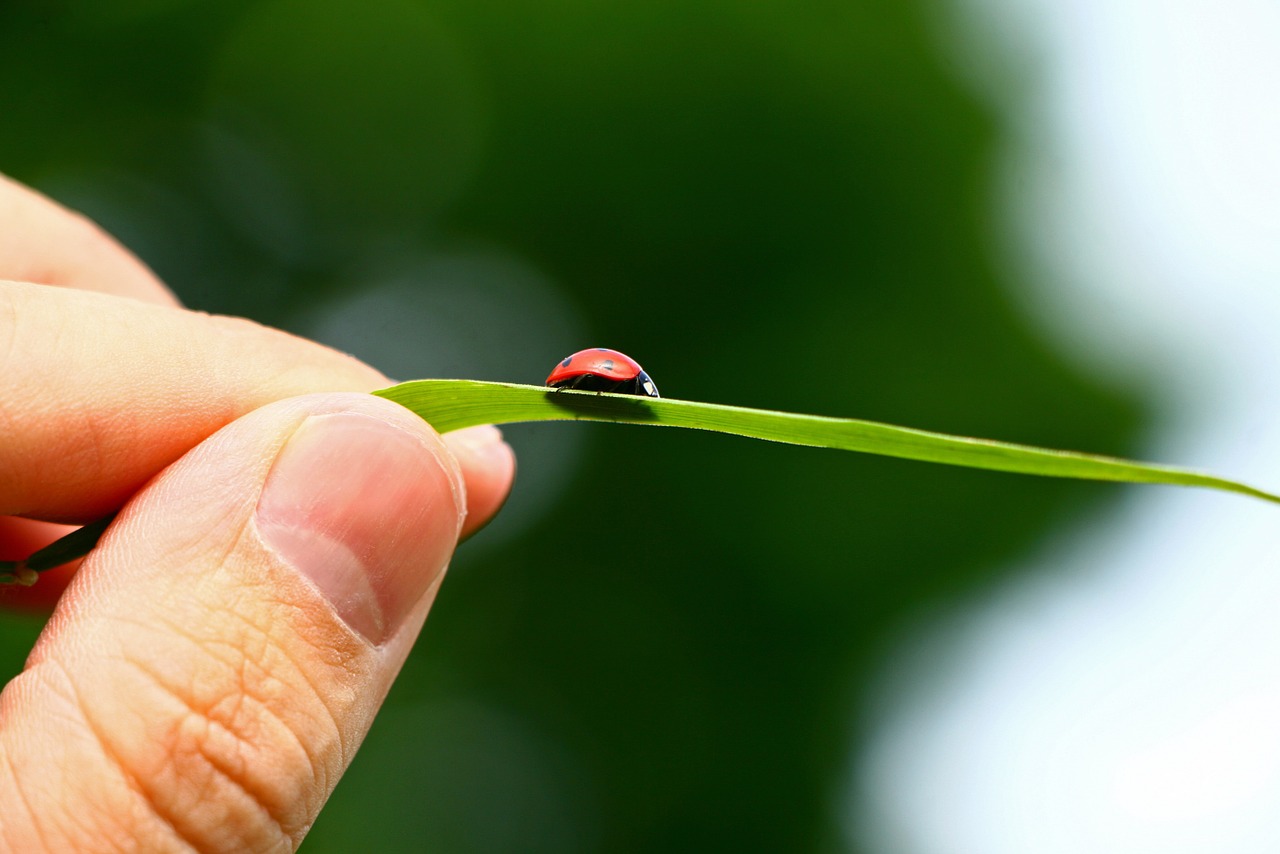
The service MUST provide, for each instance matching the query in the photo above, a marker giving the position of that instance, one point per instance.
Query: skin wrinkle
(34, 679)
(254, 689)
(318, 772)
(237, 662)
(349, 665)
(333, 727)
(16, 787)
(187, 733)
(251, 688)
(249, 684)
(333, 715)
(154, 811)
(233, 771)
(200, 731)
(91, 823)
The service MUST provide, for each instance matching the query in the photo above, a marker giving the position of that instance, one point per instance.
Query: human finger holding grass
(210, 670)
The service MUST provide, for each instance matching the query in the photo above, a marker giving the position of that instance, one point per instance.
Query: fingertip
(488, 466)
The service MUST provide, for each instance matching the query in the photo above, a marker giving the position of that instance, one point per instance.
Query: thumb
(210, 672)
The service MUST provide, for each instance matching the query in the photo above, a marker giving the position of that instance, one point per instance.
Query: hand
(212, 667)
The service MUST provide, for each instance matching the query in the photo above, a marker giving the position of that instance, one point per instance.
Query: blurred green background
(665, 642)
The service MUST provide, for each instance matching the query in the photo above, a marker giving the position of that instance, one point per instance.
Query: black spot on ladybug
(607, 365)
(566, 362)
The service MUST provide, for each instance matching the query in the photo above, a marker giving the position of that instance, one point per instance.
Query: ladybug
(599, 369)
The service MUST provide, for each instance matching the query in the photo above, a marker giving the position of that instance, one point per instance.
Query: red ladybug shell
(601, 369)
(599, 362)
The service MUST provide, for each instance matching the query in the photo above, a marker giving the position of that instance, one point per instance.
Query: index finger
(99, 393)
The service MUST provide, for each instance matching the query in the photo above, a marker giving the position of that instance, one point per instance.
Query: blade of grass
(64, 550)
(454, 404)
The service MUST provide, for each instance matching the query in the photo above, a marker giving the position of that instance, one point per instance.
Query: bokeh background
(672, 641)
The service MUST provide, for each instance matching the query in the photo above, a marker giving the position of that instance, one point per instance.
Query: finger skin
(44, 243)
(193, 688)
(101, 393)
(488, 466)
(76, 375)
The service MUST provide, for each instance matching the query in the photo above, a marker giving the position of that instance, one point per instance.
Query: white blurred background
(1123, 694)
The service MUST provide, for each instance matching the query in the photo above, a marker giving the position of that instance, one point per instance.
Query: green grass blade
(74, 545)
(454, 404)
